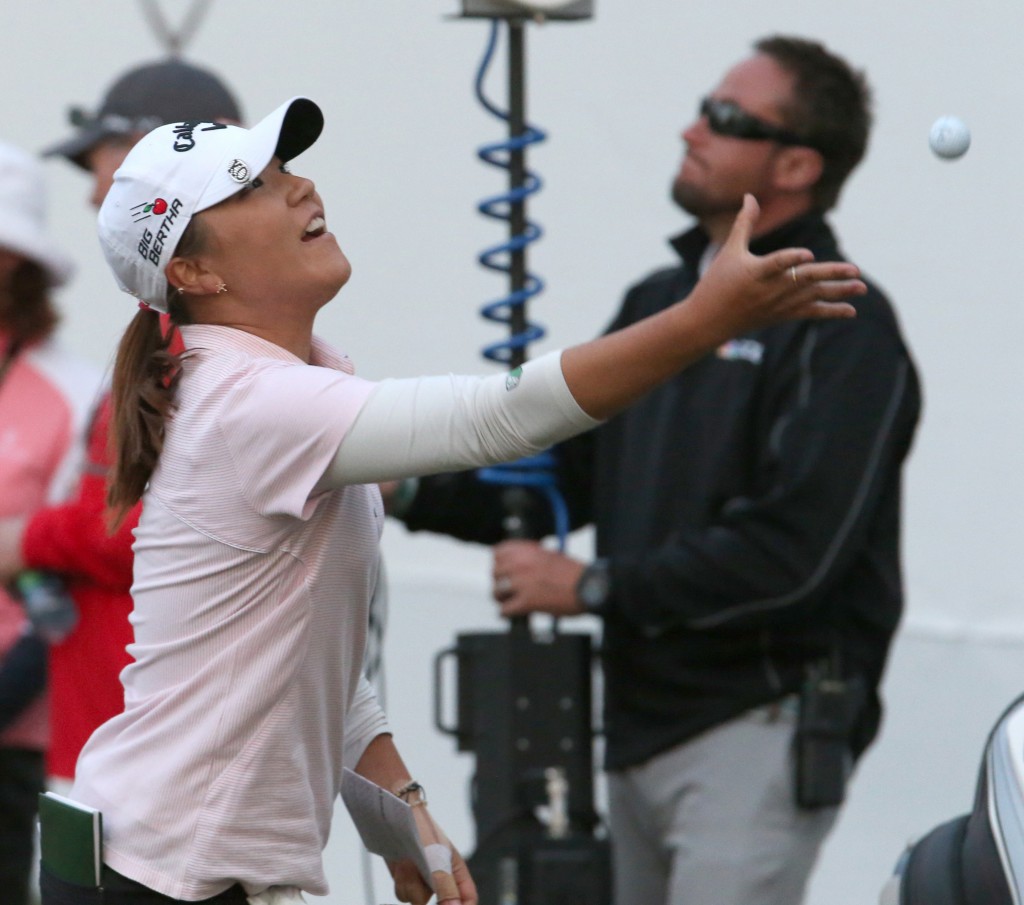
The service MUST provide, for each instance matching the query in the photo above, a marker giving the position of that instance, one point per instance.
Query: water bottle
(48, 605)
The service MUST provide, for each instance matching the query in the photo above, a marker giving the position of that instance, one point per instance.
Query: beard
(700, 203)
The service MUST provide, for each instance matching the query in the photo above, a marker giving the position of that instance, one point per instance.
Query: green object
(70, 840)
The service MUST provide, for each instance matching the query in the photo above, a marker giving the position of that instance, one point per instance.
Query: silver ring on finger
(503, 585)
(792, 273)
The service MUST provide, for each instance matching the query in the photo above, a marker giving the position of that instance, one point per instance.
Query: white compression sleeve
(431, 424)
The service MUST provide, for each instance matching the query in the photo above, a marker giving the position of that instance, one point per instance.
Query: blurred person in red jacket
(71, 540)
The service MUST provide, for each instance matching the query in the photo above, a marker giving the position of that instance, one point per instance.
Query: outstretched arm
(435, 425)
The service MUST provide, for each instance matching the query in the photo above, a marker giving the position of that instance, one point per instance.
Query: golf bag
(976, 858)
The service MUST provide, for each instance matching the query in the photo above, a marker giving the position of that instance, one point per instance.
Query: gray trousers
(713, 821)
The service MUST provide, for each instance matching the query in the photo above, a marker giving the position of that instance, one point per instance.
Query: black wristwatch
(594, 588)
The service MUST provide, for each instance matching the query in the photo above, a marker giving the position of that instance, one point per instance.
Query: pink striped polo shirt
(246, 696)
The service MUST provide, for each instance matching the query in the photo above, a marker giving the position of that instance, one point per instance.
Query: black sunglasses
(728, 118)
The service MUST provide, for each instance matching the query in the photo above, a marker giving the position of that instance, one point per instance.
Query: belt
(120, 890)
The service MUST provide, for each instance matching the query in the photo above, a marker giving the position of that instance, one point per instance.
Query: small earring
(221, 287)
(180, 291)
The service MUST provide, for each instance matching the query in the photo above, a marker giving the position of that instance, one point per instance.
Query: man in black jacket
(747, 519)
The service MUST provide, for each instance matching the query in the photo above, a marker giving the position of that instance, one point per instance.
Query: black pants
(119, 890)
(21, 781)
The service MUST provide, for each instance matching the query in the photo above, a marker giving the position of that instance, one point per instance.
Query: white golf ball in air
(949, 137)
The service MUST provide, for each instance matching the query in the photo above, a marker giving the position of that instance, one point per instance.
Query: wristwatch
(594, 588)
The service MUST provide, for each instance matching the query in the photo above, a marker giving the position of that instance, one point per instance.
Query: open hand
(748, 291)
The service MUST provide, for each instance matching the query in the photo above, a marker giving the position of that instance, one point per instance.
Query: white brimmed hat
(180, 169)
(23, 214)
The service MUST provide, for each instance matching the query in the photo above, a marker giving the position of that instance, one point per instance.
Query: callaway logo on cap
(183, 168)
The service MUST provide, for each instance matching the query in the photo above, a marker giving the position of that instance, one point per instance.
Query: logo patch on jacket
(741, 350)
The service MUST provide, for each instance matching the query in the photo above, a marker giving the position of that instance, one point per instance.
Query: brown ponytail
(146, 374)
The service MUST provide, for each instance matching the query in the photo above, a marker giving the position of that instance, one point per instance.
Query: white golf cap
(180, 169)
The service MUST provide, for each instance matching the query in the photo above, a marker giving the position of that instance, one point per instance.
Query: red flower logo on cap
(141, 211)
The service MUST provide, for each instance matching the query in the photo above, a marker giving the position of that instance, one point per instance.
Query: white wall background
(397, 169)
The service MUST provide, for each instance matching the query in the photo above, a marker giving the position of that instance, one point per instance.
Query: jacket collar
(807, 231)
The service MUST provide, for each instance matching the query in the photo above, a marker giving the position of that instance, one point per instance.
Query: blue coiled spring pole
(509, 257)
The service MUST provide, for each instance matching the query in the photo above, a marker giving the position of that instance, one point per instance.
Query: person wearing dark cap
(143, 98)
(72, 538)
(45, 397)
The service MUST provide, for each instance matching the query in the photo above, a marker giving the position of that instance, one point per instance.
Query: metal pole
(516, 498)
(517, 173)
